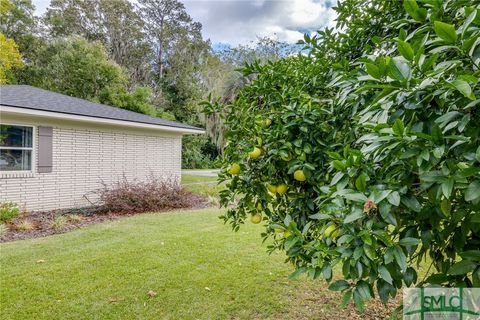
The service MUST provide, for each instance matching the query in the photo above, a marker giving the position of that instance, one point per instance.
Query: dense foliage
(363, 155)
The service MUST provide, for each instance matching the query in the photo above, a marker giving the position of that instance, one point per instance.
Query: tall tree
(168, 25)
(112, 22)
(9, 57)
(18, 22)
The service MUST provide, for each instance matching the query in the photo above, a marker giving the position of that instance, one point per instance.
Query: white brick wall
(84, 155)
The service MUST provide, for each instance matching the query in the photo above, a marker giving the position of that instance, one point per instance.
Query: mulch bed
(43, 221)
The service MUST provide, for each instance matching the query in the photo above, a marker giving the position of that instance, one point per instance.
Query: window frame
(33, 149)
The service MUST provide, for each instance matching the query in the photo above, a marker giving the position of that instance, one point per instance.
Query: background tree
(10, 58)
(114, 23)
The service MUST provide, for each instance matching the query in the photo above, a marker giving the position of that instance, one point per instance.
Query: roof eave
(91, 119)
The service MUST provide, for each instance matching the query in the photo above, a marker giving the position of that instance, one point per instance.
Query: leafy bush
(145, 196)
(8, 211)
(24, 225)
(3, 229)
(198, 152)
(368, 149)
(74, 218)
(58, 223)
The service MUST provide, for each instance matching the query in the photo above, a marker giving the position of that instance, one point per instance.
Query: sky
(235, 22)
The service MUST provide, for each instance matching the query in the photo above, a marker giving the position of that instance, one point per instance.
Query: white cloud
(240, 21)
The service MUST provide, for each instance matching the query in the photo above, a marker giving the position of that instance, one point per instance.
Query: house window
(16, 148)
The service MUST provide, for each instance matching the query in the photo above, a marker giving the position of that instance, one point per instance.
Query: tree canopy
(363, 153)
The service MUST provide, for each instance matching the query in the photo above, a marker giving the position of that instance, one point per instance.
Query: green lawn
(205, 186)
(190, 178)
(199, 268)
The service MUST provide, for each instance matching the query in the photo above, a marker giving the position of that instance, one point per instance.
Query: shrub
(198, 152)
(58, 223)
(75, 218)
(24, 225)
(377, 149)
(3, 229)
(145, 196)
(8, 211)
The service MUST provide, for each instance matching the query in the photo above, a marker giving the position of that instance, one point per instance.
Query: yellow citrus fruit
(330, 230)
(282, 188)
(234, 169)
(256, 219)
(299, 175)
(267, 122)
(255, 153)
(334, 234)
(272, 188)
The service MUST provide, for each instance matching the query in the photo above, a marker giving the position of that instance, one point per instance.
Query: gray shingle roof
(29, 97)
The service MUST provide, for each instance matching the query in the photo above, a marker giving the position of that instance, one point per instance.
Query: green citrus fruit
(256, 219)
(272, 188)
(330, 231)
(234, 169)
(255, 153)
(299, 175)
(282, 188)
(267, 122)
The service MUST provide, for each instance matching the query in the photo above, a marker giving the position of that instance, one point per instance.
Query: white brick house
(55, 150)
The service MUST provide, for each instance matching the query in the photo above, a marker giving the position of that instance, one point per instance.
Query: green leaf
(339, 285)
(361, 182)
(446, 207)
(394, 198)
(398, 127)
(408, 241)
(399, 69)
(405, 50)
(464, 88)
(414, 11)
(297, 273)
(412, 203)
(363, 288)
(384, 274)
(319, 216)
(462, 267)
(470, 255)
(445, 31)
(447, 188)
(400, 258)
(383, 290)
(346, 298)
(359, 301)
(373, 70)
(357, 197)
(355, 215)
(410, 276)
(473, 191)
(438, 152)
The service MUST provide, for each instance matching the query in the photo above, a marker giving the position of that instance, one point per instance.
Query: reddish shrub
(143, 196)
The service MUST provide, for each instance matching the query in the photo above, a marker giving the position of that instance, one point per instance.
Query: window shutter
(45, 149)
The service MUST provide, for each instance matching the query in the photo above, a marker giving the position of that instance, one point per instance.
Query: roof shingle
(29, 97)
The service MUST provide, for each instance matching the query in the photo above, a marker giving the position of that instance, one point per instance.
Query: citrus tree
(362, 154)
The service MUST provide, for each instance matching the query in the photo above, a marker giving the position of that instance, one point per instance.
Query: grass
(198, 267)
(206, 186)
(190, 178)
